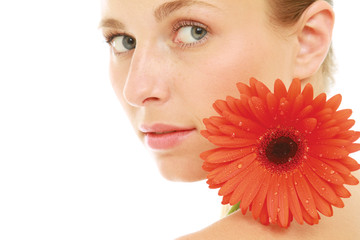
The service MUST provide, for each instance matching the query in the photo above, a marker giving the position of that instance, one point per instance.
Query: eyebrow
(111, 23)
(160, 13)
(165, 9)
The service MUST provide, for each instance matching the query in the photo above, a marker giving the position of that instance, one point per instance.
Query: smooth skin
(172, 59)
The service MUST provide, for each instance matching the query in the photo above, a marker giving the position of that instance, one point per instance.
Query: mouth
(163, 137)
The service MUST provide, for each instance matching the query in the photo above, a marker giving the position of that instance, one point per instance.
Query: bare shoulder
(344, 224)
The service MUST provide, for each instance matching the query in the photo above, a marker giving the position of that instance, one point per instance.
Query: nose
(147, 80)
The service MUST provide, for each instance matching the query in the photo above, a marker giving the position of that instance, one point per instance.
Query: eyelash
(109, 36)
(190, 23)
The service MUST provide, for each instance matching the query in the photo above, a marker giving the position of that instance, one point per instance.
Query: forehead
(159, 7)
(135, 14)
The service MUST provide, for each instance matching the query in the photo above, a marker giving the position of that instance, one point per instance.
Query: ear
(314, 33)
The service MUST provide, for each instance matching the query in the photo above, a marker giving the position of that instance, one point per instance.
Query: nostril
(151, 99)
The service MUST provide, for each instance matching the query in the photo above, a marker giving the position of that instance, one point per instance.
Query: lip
(163, 136)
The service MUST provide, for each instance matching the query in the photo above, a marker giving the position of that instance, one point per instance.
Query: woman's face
(172, 59)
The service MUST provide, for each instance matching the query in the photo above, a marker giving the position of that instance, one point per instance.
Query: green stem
(234, 208)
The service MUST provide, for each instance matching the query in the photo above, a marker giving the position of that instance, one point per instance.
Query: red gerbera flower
(282, 155)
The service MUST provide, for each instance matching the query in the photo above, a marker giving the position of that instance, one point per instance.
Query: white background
(70, 165)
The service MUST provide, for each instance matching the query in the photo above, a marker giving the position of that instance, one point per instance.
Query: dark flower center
(281, 150)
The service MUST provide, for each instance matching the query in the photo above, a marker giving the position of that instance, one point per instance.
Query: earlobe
(314, 38)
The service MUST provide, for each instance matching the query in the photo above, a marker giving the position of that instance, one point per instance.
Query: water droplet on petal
(275, 193)
(320, 155)
(332, 172)
(306, 201)
(233, 135)
(240, 124)
(278, 210)
(240, 165)
(323, 188)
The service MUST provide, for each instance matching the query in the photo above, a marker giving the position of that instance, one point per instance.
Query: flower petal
(238, 193)
(212, 129)
(337, 166)
(259, 199)
(253, 184)
(328, 124)
(331, 152)
(346, 125)
(294, 90)
(243, 123)
(324, 171)
(305, 112)
(232, 184)
(262, 90)
(327, 133)
(230, 142)
(259, 110)
(342, 115)
(243, 88)
(283, 202)
(222, 155)
(334, 102)
(350, 163)
(308, 93)
(322, 187)
(233, 131)
(303, 191)
(319, 101)
(334, 142)
(272, 103)
(279, 89)
(350, 179)
(294, 203)
(309, 219)
(234, 168)
(264, 216)
(308, 124)
(273, 198)
(340, 190)
(221, 106)
(351, 136)
(297, 106)
(353, 147)
(322, 205)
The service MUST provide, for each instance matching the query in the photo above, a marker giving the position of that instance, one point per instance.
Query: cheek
(213, 74)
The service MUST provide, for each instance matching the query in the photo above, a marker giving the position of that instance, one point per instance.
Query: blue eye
(123, 43)
(190, 34)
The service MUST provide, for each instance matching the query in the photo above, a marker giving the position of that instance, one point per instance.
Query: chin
(178, 169)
